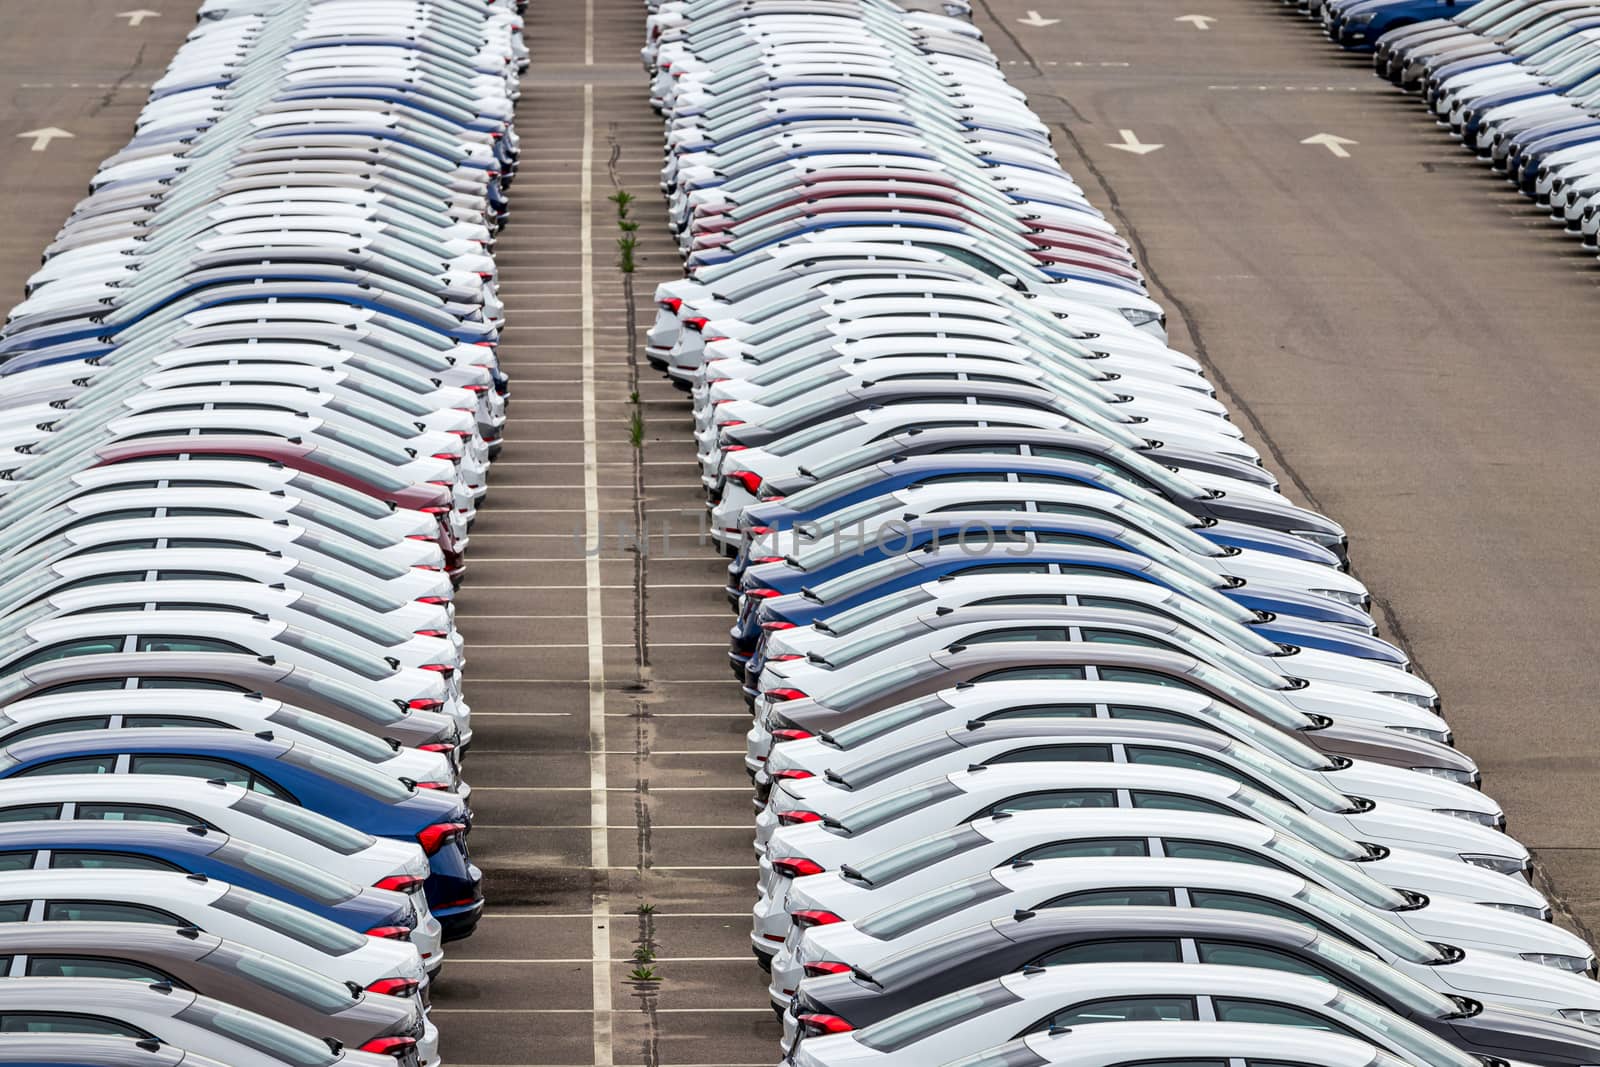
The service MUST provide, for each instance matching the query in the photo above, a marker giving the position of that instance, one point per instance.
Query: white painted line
(599, 844)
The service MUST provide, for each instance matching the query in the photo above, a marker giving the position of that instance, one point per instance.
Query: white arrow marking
(136, 17)
(42, 138)
(1201, 22)
(1036, 19)
(1130, 143)
(1332, 142)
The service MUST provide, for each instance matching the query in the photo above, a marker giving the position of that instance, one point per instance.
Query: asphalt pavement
(1408, 339)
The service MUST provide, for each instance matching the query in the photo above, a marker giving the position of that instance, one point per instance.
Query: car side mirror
(1010, 280)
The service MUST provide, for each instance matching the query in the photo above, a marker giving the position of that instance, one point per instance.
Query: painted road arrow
(1332, 142)
(136, 17)
(1036, 19)
(1130, 143)
(1201, 22)
(42, 138)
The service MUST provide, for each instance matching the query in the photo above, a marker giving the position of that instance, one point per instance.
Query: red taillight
(769, 559)
(484, 344)
(790, 734)
(432, 538)
(785, 693)
(821, 967)
(448, 456)
(447, 485)
(391, 933)
(437, 746)
(432, 838)
(771, 626)
(440, 668)
(672, 304)
(435, 600)
(425, 705)
(696, 323)
(809, 917)
(760, 531)
(796, 817)
(445, 786)
(431, 633)
(761, 594)
(820, 1025)
(399, 883)
(435, 509)
(795, 867)
(395, 987)
(715, 337)
(398, 1047)
(734, 448)
(787, 657)
(792, 774)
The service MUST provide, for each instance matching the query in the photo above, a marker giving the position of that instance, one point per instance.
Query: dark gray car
(1059, 936)
(191, 959)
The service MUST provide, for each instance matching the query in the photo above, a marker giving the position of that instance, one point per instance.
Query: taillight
(399, 883)
(770, 626)
(433, 838)
(437, 746)
(440, 668)
(809, 917)
(395, 987)
(761, 594)
(438, 601)
(431, 538)
(434, 785)
(817, 968)
(696, 323)
(791, 774)
(796, 817)
(398, 1047)
(791, 735)
(769, 559)
(425, 705)
(448, 456)
(785, 693)
(672, 304)
(435, 509)
(796, 867)
(818, 1025)
(391, 933)
(431, 633)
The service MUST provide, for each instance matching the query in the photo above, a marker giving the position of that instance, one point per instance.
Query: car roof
(150, 739)
(109, 834)
(148, 942)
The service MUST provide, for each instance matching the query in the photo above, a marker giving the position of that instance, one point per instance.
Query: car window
(208, 768)
(1043, 711)
(105, 764)
(14, 911)
(917, 1023)
(83, 859)
(60, 726)
(30, 813)
(1121, 1010)
(1178, 802)
(204, 684)
(1212, 850)
(1235, 1010)
(1054, 798)
(1166, 757)
(52, 1022)
(1237, 955)
(176, 643)
(1144, 897)
(1254, 905)
(87, 646)
(1122, 950)
(136, 813)
(15, 861)
(1054, 754)
(1062, 673)
(1015, 633)
(1091, 848)
(140, 722)
(89, 967)
(297, 924)
(98, 911)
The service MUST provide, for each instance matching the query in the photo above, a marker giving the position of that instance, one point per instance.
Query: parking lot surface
(1401, 371)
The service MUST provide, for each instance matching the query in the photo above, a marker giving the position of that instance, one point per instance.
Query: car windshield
(319, 689)
(349, 773)
(846, 651)
(1290, 780)
(930, 907)
(329, 833)
(886, 721)
(355, 622)
(1401, 1033)
(358, 502)
(297, 924)
(1244, 695)
(1395, 987)
(340, 735)
(1371, 928)
(350, 554)
(855, 458)
(862, 578)
(1335, 872)
(348, 588)
(884, 810)
(306, 987)
(1284, 747)
(831, 489)
(896, 863)
(1276, 813)
(336, 653)
(925, 1020)
(879, 684)
(822, 431)
(273, 1039)
(289, 873)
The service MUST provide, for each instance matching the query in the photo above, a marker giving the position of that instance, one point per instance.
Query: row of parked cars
(248, 406)
(1066, 722)
(1515, 81)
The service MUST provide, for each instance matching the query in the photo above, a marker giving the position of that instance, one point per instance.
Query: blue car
(868, 583)
(211, 853)
(1357, 24)
(328, 784)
